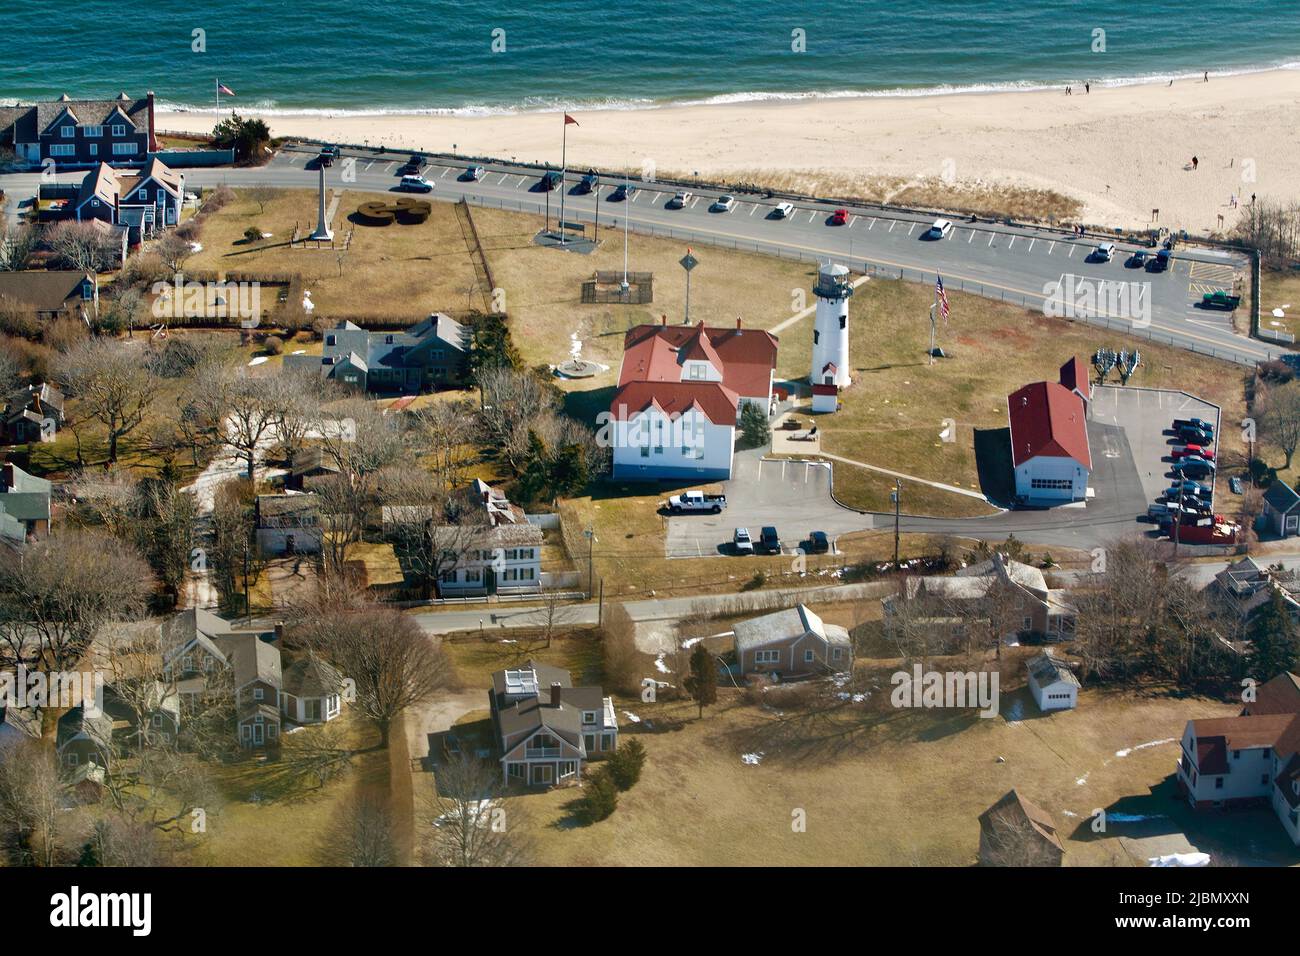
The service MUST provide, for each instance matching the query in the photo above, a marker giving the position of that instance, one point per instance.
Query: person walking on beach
(1195, 163)
(1087, 88)
(1207, 76)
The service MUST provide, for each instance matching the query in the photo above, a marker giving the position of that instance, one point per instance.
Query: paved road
(499, 617)
(1019, 264)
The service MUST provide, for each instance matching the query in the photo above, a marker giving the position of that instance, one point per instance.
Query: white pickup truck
(696, 500)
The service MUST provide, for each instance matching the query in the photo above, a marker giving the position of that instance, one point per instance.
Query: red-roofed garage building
(680, 393)
(1049, 441)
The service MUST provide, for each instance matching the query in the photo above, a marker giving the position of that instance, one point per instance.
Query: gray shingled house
(24, 504)
(793, 642)
(545, 727)
(1281, 511)
(49, 294)
(430, 355)
(32, 414)
(81, 132)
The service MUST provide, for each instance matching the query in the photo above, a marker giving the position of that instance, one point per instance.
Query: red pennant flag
(569, 119)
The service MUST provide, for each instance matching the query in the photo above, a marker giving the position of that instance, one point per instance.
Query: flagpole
(933, 309)
(217, 80)
(564, 168)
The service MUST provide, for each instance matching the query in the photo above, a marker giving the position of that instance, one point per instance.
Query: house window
(1263, 780)
(119, 129)
(68, 132)
(606, 741)
(70, 759)
(257, 693)
(94, 149)
(63, 149)
(331, 340)
(844, 321)
(1218, 783)
(816, 336)
(588, 716)
(589, 742)
(808, 657)
(157, 720)
(94, 131)
(124, 149)
(767, 657)
(515, 770)
(1236, 755)
(837, 653)
(162, 196)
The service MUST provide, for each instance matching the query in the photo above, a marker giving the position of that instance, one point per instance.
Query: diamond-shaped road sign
(689, 262)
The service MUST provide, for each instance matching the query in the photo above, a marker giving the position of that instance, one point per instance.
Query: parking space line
(369, 164)
(445, 171)
(873, 224)
(1051, 247)
(389, 167)
(293, 158)
(695, 201)
(812, 215)
(1012, 244)
(892, 224)
(1031, 244)
(1072, 248)
(852, 220)
(753, 209)
(520, 183)
(911, 228)
(970, 237)
(502, 179)
(991, 235)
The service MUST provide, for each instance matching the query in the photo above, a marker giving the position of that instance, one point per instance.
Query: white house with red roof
(1049, 438)
(1252, 759)
(680, 393)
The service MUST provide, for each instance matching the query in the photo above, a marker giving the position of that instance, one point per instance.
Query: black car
(589, 182)
(818, 543)
(328, 153)
(1159, 262)
(621, 193)
(1137, 260)
(412, 167)
(769, 540)
(551, 181)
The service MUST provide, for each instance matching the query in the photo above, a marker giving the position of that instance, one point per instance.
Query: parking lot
(1145, 415)
(795, 496)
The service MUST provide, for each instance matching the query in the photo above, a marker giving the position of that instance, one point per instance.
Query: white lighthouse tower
(830, 351)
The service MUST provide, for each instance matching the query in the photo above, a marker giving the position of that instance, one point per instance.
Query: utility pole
(897, 495)
(591, 539)
(248, 608)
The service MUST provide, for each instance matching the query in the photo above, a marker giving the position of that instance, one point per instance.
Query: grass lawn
(396, 271)
(1280, 289)
(879, 786)
(577, 651)
(270, 819)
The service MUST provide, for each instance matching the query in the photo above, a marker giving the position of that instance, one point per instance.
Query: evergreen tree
(1273, 635)
(535, 479)
(754, 427)
(702, 682)
(89, 855)
(600, 797)
(626, 762)
(568, 472)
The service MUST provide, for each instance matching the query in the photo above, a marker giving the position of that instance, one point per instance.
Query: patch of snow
(196, 247)
(1149, 743)
(752, 759)
(1067, 813)
(299, 351)
(1082, 780)
(476, 810)
(257, 360)
(1133, 817)
(1181, 859)
(690, 642)
(660, 666)
(631, 716)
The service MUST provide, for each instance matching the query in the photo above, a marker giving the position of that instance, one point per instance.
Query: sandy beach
(1120, 151)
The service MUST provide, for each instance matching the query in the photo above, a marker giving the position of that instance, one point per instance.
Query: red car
(1198, 450)
(839, 217)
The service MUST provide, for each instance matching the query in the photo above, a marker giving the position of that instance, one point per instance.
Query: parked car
(724, 204)
(679, 200)
(472, 173)
(1200, 423)
(621, 192)
(782, 210)
(1234, 485)
(1191, 435)
(550, 182)
(328, 153)
(1194, 451)
(818, 543)
(839, 217)
(412, 166)
(1104, 252)
(1159, 262)
(695, 500)
(769, 540)
(415, 184)
(1187, 487)
(939, 229)
(1197, 469)
(742, 542)
(1220, 300)
(588, 183)
(1137, 260)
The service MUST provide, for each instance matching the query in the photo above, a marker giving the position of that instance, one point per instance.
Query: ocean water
(476, 56)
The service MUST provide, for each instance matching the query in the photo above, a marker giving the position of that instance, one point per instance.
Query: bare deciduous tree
(112, 385)
(469, 822)
(31, 805)
(1278, 411)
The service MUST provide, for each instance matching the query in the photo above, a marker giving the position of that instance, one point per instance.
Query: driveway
(795, 496)
(426, 723)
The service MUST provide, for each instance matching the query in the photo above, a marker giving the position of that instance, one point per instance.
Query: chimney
(153, 135)
(279, 632)
(555, 694)
(663, 318)
(737, 321)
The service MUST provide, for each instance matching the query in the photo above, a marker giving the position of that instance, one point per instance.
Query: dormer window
(119, 129)
(68, 132)
(588, 716)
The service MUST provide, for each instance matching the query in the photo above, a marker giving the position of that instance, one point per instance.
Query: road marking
(991, 236)
(1051, 247)
(369, 164)
(1031, 244)
(1012, 244)
(389, 167)
(812, 215)
(970, 237)
(892, 224)
(1072, 248)
(445, 172)
(521, 182)
(504, 177)
(852, 220)
(752, 210)
(293, 158)
(636, 196)
(694, 201)
(911, 228)
(873, 223)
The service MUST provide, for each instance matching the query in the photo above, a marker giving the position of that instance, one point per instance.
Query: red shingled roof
(1047, 419)
(1074, 375)
(717, 402)
(655, 353)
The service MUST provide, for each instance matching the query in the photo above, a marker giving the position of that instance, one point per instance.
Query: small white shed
(1052, 683)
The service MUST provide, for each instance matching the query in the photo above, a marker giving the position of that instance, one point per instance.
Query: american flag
(941, 296)
(222, 88)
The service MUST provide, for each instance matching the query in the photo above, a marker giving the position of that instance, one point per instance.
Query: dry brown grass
(877, 787)
(995, 200)
(397, 271)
